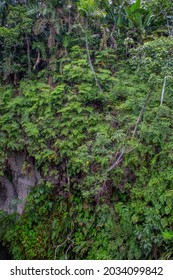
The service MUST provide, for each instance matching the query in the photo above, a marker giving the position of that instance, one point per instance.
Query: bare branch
(117, 160)
(58, 246)
(140, 115)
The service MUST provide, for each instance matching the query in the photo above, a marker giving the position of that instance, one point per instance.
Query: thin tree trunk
(51, 44)
(28, 55)
(163, 91)
(37, 61)
(90, 63)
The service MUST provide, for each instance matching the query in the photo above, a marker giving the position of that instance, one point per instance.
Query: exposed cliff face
(7, 194)
(24, 176)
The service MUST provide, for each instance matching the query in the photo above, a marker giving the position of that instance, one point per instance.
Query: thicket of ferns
(92, 106)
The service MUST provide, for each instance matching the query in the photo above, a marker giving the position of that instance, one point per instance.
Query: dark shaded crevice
(4, 254)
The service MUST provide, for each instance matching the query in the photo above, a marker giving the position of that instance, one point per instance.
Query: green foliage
(91, 8)
(153, 60)
(138, 16)
(88, 205)
(69, 129)
(13, 39)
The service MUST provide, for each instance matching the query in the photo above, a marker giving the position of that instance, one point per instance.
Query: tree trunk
(28, 55)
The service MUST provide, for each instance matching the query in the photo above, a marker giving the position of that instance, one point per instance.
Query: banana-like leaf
(137, 20)
(136, 5)
(120, 19)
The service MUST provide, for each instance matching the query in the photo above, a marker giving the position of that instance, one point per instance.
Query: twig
(117, 160)
(68, 249)
(140, 115)
(58, 246)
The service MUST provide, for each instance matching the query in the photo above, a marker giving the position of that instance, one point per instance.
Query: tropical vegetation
(86, 92)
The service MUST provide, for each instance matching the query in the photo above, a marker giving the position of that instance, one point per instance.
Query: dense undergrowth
(86, 95)
(73, 132)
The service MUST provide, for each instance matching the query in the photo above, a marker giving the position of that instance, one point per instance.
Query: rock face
(24, 176)
(7, 194)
